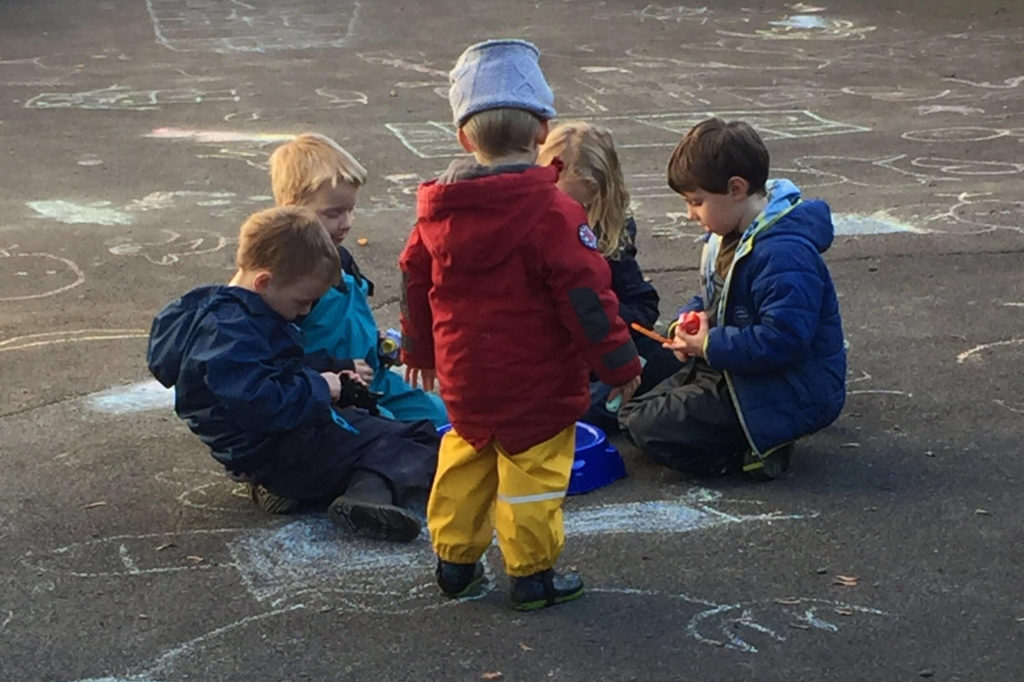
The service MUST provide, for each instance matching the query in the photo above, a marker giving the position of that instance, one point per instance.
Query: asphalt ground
(134, 142)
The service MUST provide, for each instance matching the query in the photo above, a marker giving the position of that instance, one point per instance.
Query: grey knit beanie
(499, 74)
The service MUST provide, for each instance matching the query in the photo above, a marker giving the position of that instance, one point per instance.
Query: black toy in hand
(356, 394)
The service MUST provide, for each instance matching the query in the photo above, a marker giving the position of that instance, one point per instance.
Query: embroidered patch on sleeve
(587, 236)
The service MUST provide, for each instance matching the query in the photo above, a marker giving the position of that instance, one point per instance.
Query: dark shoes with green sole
(528, 593)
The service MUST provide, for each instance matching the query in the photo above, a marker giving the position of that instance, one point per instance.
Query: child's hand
(684, 345)
(354, 376)
(624, 392)
(413, 374)
(333, 384)
(364, 371)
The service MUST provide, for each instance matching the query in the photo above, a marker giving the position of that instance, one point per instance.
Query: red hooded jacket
(506, 296)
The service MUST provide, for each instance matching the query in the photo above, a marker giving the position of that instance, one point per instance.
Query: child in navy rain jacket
(244, 386)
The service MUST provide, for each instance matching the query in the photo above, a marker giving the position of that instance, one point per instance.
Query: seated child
(592, 176)
(313, 171)
(769, 361)
(508, 298)
(236, 363)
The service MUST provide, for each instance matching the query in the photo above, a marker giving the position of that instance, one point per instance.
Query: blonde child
(315, 172)
(508, 305)
(592, 175)
(244, 387)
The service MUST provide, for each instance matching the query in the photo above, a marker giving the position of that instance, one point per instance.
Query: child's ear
(466, 143)
(261, 281)
(737, 187)
(542, 133)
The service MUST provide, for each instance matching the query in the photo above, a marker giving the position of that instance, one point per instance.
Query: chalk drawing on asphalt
(962, 134)
(863, 172)
(436, 139)
(886, 93)
(974, 354)
(968, 166)
(677, 14)
(46, 339)
(35, 71)
(416, 63)
(303, 565)
(1017, 409)
(735, 626)
(859, 389)
(1005, 84)
(172, 247)
(136, 397)
(806, 27)
(26, 276)
(251, 26)
(218, 136)
(722, 56)
(342, 99)
(988, 214)
(929, 109)
(123, 98)
(72, 213)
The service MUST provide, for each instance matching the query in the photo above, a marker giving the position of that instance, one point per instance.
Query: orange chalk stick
(649, 334)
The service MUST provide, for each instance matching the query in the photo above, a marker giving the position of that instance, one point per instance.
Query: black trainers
(544, 589)
(458, 580)
(374, 520)
(271, 503)
(771, 466)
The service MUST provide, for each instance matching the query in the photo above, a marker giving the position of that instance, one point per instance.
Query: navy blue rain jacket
(237, 371)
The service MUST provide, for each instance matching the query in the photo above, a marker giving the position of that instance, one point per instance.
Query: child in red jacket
(508, 304)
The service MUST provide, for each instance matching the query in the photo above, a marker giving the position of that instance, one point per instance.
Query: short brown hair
(714, 151)
(299, 167)
(503, 131)
(290, 242)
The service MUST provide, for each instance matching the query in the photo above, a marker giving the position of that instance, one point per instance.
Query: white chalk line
(54, 338)
(962, 357)
(79, 275)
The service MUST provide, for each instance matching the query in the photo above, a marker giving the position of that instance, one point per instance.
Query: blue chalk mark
(139, 397)
(802, 21)
(876, 223)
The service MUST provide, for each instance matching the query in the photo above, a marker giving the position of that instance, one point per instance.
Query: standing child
(769, 361)
(315, 172)
(241, 382)
(508, 305)
(592, 176)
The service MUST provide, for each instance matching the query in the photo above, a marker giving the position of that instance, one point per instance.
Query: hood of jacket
(810, 220)
(172, 328)
(474, 216)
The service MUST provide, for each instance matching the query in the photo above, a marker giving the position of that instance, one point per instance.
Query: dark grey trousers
(688, 423)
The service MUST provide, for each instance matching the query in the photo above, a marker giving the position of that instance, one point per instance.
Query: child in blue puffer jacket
(768, 364)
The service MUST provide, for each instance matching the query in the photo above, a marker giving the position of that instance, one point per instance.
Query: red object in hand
(690, 322)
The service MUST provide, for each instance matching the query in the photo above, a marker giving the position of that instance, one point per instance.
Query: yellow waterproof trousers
(524, 491)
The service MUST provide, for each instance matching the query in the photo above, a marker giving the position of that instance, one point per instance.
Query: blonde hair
(503, 132)
(290, 242)
(588, 153)
(298, 168)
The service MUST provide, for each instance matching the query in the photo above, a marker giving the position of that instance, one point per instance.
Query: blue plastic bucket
(597, 462)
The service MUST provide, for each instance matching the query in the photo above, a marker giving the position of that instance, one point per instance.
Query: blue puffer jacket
(237, 370)
(779, 336)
